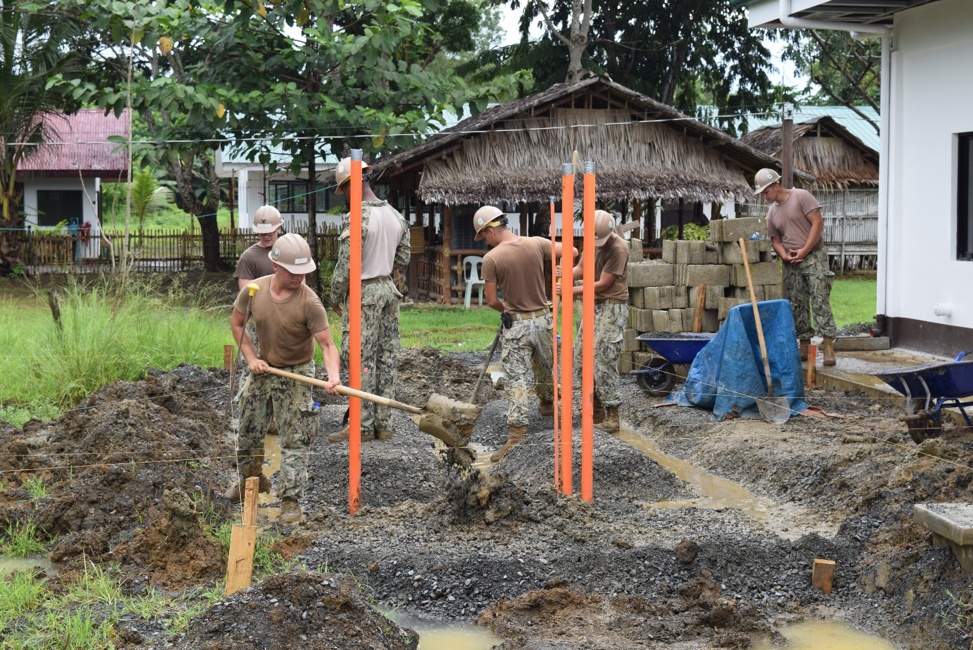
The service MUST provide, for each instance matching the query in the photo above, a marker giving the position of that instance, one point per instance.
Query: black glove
(507, 320)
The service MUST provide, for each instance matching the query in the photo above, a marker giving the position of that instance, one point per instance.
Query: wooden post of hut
(445, 260)
(637, 218)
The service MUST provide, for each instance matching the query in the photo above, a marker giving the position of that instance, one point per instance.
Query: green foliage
(853, 300)
(21, 540)
(690, 231)
(20, 593)
(839, 68)
(34, 484)
(448, 328)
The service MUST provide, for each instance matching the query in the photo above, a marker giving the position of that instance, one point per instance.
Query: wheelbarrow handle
(349, 392)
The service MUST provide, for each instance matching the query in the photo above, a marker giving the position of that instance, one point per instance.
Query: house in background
(925, 251)
(62, 181)
(846, 180)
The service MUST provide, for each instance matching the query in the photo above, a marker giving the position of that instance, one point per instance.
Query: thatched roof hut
(825, 149)
(513, 152)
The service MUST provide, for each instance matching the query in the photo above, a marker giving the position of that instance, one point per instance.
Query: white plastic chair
(471, 276)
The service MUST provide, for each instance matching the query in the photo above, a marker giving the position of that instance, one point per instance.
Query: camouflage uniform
(611, 319)
(809, 283)
(379, 321)
(264, 397)
(527, 347)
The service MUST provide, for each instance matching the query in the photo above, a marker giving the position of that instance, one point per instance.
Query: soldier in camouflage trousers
(386, 247)
(795, 228)
(611, 316)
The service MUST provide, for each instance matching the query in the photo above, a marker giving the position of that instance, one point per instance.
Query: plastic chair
(471, 277)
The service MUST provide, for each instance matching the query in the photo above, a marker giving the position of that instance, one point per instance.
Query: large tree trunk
(203, 209)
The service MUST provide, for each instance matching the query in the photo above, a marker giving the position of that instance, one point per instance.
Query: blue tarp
(728, 372)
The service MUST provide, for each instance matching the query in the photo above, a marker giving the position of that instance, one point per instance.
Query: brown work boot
(516, 436)
(342, 436)
(290, 511)
(381, 433)
(235, 492)
(610, 423)
(828, 349)
(546, 408)
(805, 344)
(598, 414)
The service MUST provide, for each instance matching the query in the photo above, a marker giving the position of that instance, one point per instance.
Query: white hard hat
(267, 219)
(764, 179)
(604, 227)
(342, 174)
(293, 253)
(485, 216)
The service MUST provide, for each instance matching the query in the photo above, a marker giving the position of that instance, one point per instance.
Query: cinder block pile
(663, 294)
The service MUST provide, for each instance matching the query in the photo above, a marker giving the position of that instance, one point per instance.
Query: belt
(529, 315)
(610, 301)
(374, 280)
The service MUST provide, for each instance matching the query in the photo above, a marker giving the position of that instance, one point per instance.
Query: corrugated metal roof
(858, 126)
(78, 145)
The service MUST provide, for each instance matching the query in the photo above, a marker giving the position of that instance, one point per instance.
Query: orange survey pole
(354, 335)
(588, 338)
(554, 282)
(567, 325)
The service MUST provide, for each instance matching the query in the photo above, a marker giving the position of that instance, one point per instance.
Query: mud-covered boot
(342, 436)
(805, 345)
(610, 423)
(516, 436)
(235, 492)
(382, 433)
(290, 511)
(828, 349)
(546, 408)
(598, 414)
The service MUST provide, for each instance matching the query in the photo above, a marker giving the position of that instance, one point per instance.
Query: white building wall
(89, 207)
(932, 51)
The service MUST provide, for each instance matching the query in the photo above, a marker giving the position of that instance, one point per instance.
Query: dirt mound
(125, 476)
(305, 610)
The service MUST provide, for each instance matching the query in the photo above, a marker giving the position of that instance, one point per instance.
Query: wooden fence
(152, 251)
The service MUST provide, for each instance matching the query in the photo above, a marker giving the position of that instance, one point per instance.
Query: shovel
(773, 409)
(486, 364)
(449, 420)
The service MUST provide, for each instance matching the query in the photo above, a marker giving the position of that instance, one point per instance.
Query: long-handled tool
(773, 409)
(449, 420)
(486, 364)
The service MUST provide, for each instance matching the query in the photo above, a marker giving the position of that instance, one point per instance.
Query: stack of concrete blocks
(663, 294)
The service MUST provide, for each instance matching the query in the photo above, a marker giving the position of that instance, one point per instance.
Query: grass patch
(853, 300)
(450, 329)
(21, 540)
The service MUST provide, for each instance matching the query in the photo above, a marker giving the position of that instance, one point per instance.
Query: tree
(32, 51)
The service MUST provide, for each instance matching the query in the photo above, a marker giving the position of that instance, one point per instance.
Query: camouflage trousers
(808, 287)
(243, 373)
(379, 350)
(610, 322)
(527, 347)
(264, 397)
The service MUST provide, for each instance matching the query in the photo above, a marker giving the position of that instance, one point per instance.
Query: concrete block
(734, 229)
(650, 274)
(726, 304)
(708, 274)
(773, 291)
(679, 272)
(951, 525)
(762, 273)
(641, 359)
(744, 293)
(711, 320)
(697, 251)
(676, 323)
(712, 255)
(641, 319)
(669, 251)
(716, 230)
(860, 343)
(660, 320)
(713, 295)
(636, 299)
(822, 575)
(630, 342)
(658, 297)
(624, 364)
(682, 252)
(732, 255)
(680, 297)
(635, 253)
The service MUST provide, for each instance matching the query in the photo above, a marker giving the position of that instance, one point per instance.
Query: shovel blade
(449, 420)
(775, 410)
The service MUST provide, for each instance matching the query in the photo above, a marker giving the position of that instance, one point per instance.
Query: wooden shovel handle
(756, 316)
(350, 392)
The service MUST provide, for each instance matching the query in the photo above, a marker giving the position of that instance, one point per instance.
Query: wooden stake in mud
(243, 541)
(588, 340)
(567, 330)
(554, 336)
(812, 361)
(822, 575)
(354, 336)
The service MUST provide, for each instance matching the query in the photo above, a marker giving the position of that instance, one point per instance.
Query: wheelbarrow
(658, 376)
(929, 389)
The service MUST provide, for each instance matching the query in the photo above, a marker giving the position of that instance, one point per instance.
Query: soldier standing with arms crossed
(611, 316)
(514, 266)
(385, 248)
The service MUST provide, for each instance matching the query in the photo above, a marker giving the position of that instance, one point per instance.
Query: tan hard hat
(604, 227)
(293, 253)
(764, 179)
(342, 173)
(484, 217)
(267, 219)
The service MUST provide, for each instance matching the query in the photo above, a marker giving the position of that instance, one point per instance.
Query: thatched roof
(824, 148)
(641, 149)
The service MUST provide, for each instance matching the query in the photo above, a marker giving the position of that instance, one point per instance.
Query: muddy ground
(134, 471)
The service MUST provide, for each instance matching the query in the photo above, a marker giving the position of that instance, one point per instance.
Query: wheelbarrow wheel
(924, 425)
(659, 383)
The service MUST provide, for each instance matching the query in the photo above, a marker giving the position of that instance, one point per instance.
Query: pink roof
(78, 145)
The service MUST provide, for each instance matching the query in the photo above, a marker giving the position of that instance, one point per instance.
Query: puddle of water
(447, 636)
(11, 565)
(826, 635)
(715, 492)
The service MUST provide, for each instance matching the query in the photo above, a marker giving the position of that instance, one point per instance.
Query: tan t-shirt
(788, 220)
(613, 258)
(518, 269)
(285, 328)
(254, 263)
